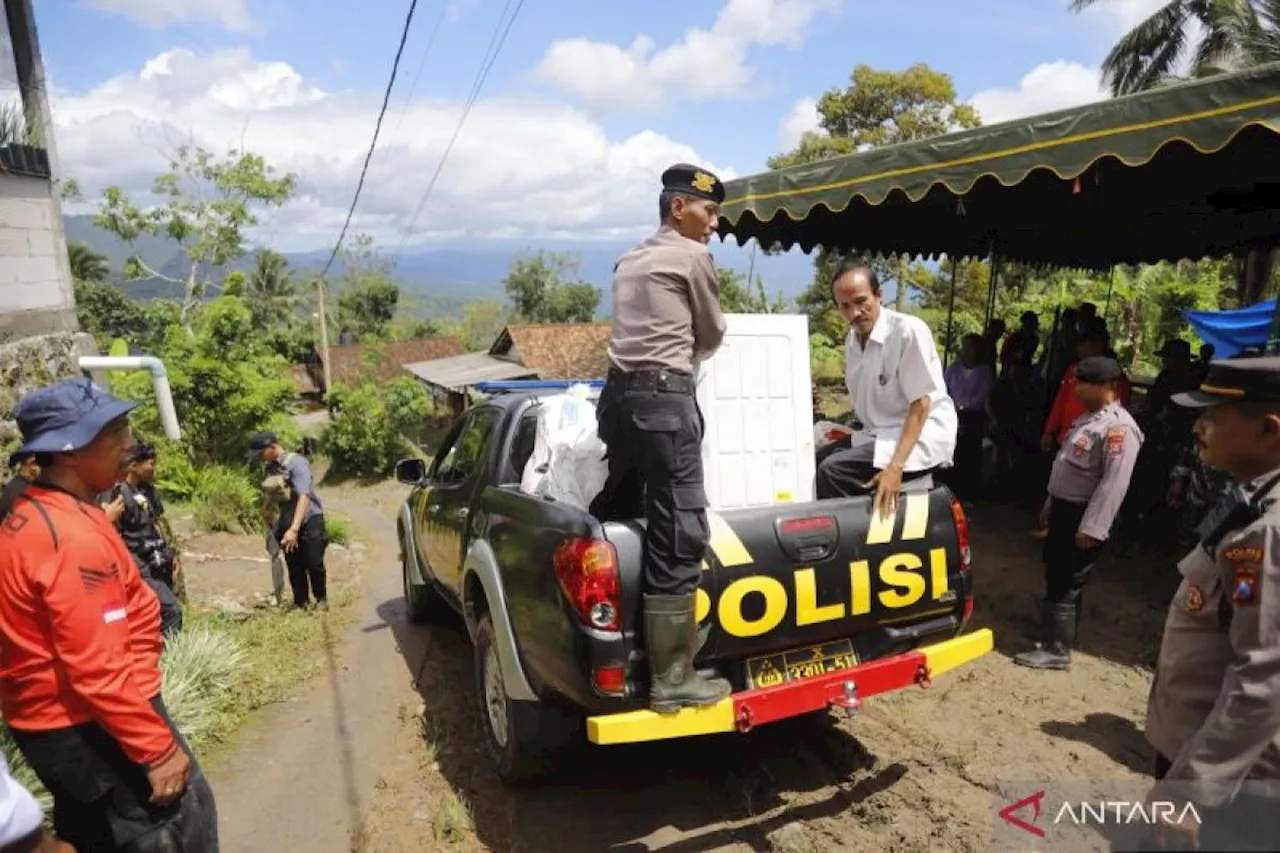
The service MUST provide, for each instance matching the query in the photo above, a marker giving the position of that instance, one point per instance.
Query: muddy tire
(421, 601)
(525, 741)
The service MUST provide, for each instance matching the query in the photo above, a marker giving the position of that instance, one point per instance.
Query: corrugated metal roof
(459, 371)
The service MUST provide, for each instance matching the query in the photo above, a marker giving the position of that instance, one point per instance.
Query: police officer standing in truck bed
(1213, 715)
(666, 318)
(1086, 489)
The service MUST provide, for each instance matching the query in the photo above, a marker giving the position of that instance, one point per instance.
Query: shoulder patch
(1115, 440)
(1244, 585)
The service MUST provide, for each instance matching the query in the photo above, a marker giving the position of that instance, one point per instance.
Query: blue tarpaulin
(1232, 331)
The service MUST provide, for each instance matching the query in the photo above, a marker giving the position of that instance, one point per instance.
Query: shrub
(371, 422)
(226, 499)
(337, 530)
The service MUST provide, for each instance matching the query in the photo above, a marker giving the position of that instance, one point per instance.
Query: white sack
(568, 461)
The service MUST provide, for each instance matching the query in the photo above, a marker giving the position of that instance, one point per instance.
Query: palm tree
(86, 264)
(1149, 54)
(271, 289)
(1253, 29)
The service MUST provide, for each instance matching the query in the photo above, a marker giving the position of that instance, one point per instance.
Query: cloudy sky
(585, 105)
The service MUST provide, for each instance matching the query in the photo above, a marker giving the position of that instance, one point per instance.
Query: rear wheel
(524, 740)
(421, 600)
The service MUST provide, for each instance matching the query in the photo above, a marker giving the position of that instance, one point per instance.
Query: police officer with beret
(1086, 489)
(1213, 714)
(666, 319)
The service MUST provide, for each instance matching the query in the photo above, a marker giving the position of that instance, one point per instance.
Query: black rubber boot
(671, 638)
(1060, 637)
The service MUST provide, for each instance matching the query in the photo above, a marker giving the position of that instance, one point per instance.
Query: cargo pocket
(657, 443)
(692, 532)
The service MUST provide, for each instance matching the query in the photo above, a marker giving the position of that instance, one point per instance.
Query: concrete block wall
(36, 294)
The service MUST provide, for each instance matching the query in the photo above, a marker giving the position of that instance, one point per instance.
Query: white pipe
(159, 379)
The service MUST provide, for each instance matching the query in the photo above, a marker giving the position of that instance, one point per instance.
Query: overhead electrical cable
(386, 99)
(500, 37)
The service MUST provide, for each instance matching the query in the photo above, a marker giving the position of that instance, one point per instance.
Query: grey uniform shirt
(1094, 465)
(666, 305)
(297, 470)
(1214, 706)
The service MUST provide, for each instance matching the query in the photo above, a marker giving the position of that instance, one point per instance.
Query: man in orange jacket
(80, 642)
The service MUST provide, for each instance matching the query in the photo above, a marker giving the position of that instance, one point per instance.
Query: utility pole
(324, 338)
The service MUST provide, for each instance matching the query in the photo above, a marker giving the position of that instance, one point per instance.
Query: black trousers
(101, 799)
(654, 441)
(1066, 566)
(967, 473)
(306, 562)
(1247, 822)
(842, 471)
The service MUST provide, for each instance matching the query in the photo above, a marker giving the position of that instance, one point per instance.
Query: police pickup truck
(806, 607)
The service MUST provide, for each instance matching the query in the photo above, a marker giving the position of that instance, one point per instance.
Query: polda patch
(1244, 586)
(1115, 441)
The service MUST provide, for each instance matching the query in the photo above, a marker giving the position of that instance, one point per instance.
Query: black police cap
(1098, 370)
(692, 180)
(1245, 380)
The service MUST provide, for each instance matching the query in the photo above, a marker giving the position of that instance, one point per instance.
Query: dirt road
(916, 771)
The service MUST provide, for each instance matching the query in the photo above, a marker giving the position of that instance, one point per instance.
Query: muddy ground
(350, 763)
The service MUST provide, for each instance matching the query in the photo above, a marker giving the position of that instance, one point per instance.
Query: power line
(431, 40)
(473, 96)
(386, 98)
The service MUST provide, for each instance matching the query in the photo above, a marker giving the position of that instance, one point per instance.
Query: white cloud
(803, 117)
(1047, 87)
(1120, 16)
(158, 14)
(520, 168)
(704, 64)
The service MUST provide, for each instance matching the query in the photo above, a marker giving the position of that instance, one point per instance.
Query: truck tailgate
(814, 574)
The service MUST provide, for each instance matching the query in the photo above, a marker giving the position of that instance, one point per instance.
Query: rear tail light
(962, 533)
(962, 539)
(808, 525)
(610, 680)
(587, 570)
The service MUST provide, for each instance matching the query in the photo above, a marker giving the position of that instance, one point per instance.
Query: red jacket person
(80, 642)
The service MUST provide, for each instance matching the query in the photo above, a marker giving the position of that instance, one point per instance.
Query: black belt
(654, 380)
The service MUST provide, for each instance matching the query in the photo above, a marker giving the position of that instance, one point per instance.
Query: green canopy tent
(1186, 171)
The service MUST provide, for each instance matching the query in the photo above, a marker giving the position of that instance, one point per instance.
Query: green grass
(339, 533)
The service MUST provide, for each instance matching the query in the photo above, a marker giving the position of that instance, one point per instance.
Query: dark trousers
(842, 471)
(966, 476)
(306, 562)
(101, 799)
(654, 441)
(170, 609)
(1066, 566)
(1247, 822)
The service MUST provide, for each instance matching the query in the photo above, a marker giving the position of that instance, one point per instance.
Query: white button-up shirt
(899, 365)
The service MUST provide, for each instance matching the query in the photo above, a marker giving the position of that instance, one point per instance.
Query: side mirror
(411, 472)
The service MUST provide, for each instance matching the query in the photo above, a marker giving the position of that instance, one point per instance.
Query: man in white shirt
(21, 819)
(895, 382)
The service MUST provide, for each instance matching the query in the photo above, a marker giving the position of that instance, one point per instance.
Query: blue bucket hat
(65, 416)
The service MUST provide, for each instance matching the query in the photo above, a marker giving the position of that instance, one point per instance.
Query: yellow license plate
(800, 664)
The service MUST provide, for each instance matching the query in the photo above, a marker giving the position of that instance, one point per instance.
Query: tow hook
(848, 700)
(923, 677)
(743, 722)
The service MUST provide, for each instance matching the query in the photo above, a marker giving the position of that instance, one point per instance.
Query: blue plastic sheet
(1231, 331)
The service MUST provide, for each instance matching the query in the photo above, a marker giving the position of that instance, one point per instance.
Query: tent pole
(951, 315)
(1106, 310)
(993, 278)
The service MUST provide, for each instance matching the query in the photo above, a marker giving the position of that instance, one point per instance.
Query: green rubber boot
(672, 639)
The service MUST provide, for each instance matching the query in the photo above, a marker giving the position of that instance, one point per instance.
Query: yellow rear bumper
(798, 696)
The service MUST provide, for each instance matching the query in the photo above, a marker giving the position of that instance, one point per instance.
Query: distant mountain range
(436, 280)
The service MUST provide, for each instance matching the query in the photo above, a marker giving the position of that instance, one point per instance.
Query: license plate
(800, 664)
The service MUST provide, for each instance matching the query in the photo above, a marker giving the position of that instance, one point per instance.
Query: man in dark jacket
(139, 526)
